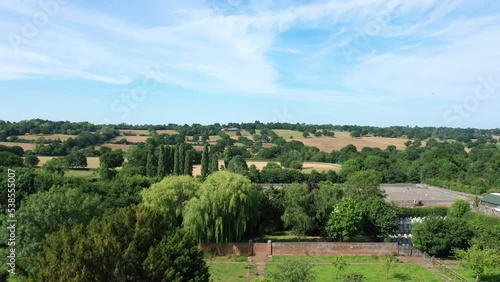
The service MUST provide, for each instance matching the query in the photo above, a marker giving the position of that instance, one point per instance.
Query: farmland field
(62, 137)
(92, 162)
(327, 144)
(25, 146)
(146, 132)
(167, 131)
(286, 133)
(308, 166)
(134, 139)
(124, 147)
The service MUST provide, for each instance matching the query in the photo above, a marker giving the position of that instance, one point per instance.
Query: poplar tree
(188, 163)
(181, 156)
(171, 157)
(214, 163)
(151, 162)
(204, 162)
(162, 168)
(176, 161)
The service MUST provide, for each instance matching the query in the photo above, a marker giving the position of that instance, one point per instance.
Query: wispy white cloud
(425, 48)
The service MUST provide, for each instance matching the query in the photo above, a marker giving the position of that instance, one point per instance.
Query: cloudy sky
(366, 62)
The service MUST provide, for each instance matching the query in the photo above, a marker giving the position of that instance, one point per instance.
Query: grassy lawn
(228, 272)
(286, 133)
(469, 275)
(222, 259)
(356, 259)
(401, 272)
(85, 173)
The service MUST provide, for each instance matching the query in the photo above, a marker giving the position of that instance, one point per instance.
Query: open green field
(376, 272)
(494, 276)
(85, 173)
(228, 272)
(288, 134)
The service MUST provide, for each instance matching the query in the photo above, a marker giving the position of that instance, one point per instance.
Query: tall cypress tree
(188, 163)
(204, 162)
(214, 162)
(162, 168)
(181, 156)
(151, 162)
(176, 161)
(168, 161)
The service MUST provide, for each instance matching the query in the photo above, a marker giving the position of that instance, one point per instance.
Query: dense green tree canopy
(170, 196)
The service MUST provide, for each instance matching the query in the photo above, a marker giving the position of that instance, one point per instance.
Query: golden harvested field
(134, 131)
(308, 166)
(327, 144)
(92, 162)
(320, 167)
(167, 131)
(25, 146)
(198, 148)
(243, 133)
(62, 137)
(146, 132)
(135, 139)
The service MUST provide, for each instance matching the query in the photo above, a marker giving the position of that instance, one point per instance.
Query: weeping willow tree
(226, 207)
(169, 196)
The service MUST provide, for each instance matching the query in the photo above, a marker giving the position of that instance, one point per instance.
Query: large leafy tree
(128, 244)
(299, 213)
(238, 165)
(76, 159)
(9, 159)
(31, 161)
(46, 212)
(380, 217)
(459, 208)
(364, 184)
(176, 259)
(345, 220)
(112, 159)
(438, 236)
(226, 206)
(56, 165)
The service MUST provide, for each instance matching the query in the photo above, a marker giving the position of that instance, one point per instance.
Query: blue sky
(366, 62)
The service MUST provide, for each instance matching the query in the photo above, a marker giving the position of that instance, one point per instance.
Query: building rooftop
(492, 198)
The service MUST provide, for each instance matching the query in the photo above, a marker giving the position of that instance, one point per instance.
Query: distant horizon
(432, 63)
(240, 122)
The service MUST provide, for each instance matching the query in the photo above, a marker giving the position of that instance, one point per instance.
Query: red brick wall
(302, 248)
(334, 248)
